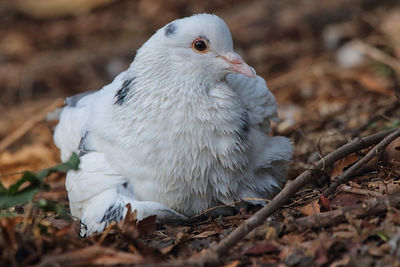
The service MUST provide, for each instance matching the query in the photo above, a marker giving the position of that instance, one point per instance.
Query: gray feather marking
(113, 213)
(123, 92)
(72, 101)
(83, 145)
(170, 29)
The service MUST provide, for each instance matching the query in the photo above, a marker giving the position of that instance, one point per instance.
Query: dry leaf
(93, 255)
(311, 208)
(346, 199)
(147, 226)
(205, 234)
(390, 156)
(343, 163)
(371, 84)
(232, 264)
(325, 203)
(261, 248)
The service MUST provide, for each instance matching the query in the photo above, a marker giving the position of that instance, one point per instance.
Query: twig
(21, 131)
(359, 191)
(354, 168)
(325, 219)
(212, 255)
(377, 54)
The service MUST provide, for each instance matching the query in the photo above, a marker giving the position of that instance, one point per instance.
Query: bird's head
(199, 46)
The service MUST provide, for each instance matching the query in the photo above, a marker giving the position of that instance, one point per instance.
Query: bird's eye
(200, 45)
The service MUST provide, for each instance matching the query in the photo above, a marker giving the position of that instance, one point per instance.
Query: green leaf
(32, 182)
(26, 177)
(22, 197)
(71, 164)
(2, 188)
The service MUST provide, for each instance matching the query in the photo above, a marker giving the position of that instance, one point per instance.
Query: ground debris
(295, 46)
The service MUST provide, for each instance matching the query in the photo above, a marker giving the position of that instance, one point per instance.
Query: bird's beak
(238, 65)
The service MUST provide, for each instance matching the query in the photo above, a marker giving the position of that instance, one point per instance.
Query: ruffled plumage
(175, 134)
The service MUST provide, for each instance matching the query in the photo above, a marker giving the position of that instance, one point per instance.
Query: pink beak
(238, 65)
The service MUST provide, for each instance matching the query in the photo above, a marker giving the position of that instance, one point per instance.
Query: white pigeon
(183, 129)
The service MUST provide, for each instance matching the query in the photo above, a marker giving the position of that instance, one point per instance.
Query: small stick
(212, 255)
(329, 218)
(24, 128)
(353, 169)
(359, 191)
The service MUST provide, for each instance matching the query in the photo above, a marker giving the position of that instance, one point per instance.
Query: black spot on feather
(123, 92)
(113, 213)
(83, 147)
(170, 29)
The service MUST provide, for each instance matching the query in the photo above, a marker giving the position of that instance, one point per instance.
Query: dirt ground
(333, 66)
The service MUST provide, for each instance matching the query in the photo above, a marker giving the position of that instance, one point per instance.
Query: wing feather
(255, 95)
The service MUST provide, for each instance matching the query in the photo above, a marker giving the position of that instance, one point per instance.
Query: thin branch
(212, 255)
(359, 191)
(354, 168)
(325, 219)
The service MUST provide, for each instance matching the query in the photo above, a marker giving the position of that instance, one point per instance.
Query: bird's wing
(269, 156)
(71, 133)
(97, 193)
(257, 98)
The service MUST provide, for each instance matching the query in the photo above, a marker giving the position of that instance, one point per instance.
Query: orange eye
(200, 45)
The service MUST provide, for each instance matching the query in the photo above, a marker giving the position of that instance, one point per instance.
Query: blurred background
(333, 65)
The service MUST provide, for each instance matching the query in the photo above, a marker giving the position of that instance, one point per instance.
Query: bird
(185, 128)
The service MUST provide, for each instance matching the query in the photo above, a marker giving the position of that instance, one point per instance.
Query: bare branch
(211, 255)
(324, 219)
(353, 169)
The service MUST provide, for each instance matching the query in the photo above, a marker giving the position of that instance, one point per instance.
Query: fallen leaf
(391, 154)
(93, 255)
(261, 248)
(325, 203)
(375, 251)
(311, 208)
(205, 234)
(167, 249)
(375, 84)
(147, 226)
(342, 164)
(271, 233)
(341, 262)
(344, 199)
(232, 264)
